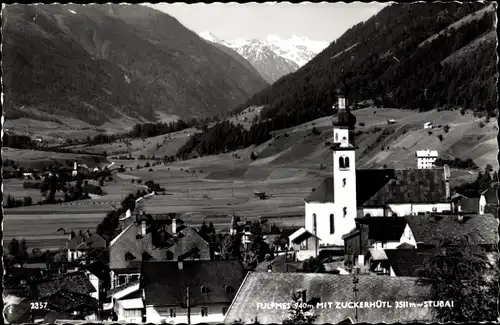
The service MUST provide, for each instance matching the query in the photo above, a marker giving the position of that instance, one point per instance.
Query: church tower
(344, 172)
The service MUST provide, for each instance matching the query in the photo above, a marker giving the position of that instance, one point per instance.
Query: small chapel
(349, 193)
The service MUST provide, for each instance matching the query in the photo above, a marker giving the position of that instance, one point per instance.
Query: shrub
(481, 124)
(440, 137)
(429, 133)
(253, 156)
(361, 124)
(150, 170)
(147, 165)
(446, 128)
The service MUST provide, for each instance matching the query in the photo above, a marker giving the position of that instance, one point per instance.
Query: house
(261, 289)
(148, 239)
(98, 274)
(304, 243)
(429, 231)
(373, 234)
(407, 262)
(426, 158)
(331, 209)
(428, 125)
(468, 205)
(212, 286)
(489, 200)
(79, 245)
(391, 121)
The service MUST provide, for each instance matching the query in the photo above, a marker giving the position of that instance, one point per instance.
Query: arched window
(346, 162)
(343, 182)
(230, 289)
(341, 162)
(204, 289)
(336, 137)
(345, 211)
(332, 224)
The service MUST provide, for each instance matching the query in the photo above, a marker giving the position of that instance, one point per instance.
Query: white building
(330, 211)
(428, 125)
(426, 158)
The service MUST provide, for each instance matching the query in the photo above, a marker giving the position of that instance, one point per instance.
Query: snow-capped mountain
(273, 57)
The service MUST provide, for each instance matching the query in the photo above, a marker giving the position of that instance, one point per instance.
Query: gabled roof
(65, 301)
(368, 183)
(429, 230)
(300, 235)
(165, 284)
(86, 242)
(411, 186)
(384, 228)
(73, 282)
(469, 205)
(377, 254)
(269, 287)
(408, 262)
(286, 232)
(491, 194)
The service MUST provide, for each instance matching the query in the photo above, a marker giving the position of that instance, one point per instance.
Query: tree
(231, 247)
(460, 271)
(313, 265)
(300, 312)
(14, 247)
(258, 248)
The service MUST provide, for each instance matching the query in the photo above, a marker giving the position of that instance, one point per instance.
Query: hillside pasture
(28, 158)
(245, 117)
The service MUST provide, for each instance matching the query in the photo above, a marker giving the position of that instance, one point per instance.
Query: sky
(228, 21)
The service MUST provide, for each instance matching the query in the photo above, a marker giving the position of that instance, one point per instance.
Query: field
(288, 167)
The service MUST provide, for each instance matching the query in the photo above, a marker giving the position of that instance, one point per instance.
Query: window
(122, 279)
(173, 312)
(345, 211)
(346, 162)
(204, 289)
(336, 137)
(303, 244)
(343, 182)
(341, 162)
(229, 289)
(332, 224)
(314, 220)
(170, 255)
(134, 277)
(132, 313)
(224, 311)
(204, 311)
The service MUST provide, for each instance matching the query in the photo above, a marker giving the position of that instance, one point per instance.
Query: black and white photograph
(250, 163)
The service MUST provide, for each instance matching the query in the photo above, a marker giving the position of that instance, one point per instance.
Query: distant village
(369, 235)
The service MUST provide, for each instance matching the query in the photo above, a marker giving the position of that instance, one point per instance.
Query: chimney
(302, 295)
(143, 227)
(174, 225)
(180, 264)
(447, 180)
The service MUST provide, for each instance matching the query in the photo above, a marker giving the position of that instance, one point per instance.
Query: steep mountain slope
(381, 59)
(99, 62)
(381, 63)
(297, 49)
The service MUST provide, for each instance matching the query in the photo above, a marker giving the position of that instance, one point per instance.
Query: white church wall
(373, 212)
(322, 211)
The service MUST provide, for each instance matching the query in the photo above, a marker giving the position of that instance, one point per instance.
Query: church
(331, 209)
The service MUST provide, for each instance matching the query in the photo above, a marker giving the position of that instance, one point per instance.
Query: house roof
(165, 285)
(73, 282)
(123, 290)
(135, 303)
(408, 262)
(286, 232)
(384, 228)
(378, 254)
(86, 242)
(469, 205)
(269, 287)
(364, 189)
(279, 264)
(482, 229)
(99, 269)
(491, 194)
(300, 235)
(491, 209)
(65, 301)
(131, 241)
(412, 186)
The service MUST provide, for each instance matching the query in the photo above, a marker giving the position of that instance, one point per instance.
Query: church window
(332, 224)
(341, 162)
(343, 182)
(346, 162)
(345, 211)
(336, 137)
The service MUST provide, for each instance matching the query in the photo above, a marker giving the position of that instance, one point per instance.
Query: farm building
(426, 158)
(77, 246)
(331, 210)
(391, 121)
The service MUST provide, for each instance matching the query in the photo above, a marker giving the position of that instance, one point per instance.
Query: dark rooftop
(430, 230)
(384, 228)
(408, 262)
(469, 205)
(165, 284)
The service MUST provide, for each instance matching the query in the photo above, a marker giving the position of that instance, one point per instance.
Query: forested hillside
(381, 58)
(404, 57)
(98, 62)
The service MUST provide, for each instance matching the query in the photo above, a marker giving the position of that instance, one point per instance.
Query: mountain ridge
(98, 62)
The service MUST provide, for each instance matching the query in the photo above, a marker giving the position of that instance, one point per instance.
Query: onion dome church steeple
(344, 117)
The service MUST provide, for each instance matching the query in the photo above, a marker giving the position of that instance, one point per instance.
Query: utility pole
(355, 281)
(189, 304)
(315, 236)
